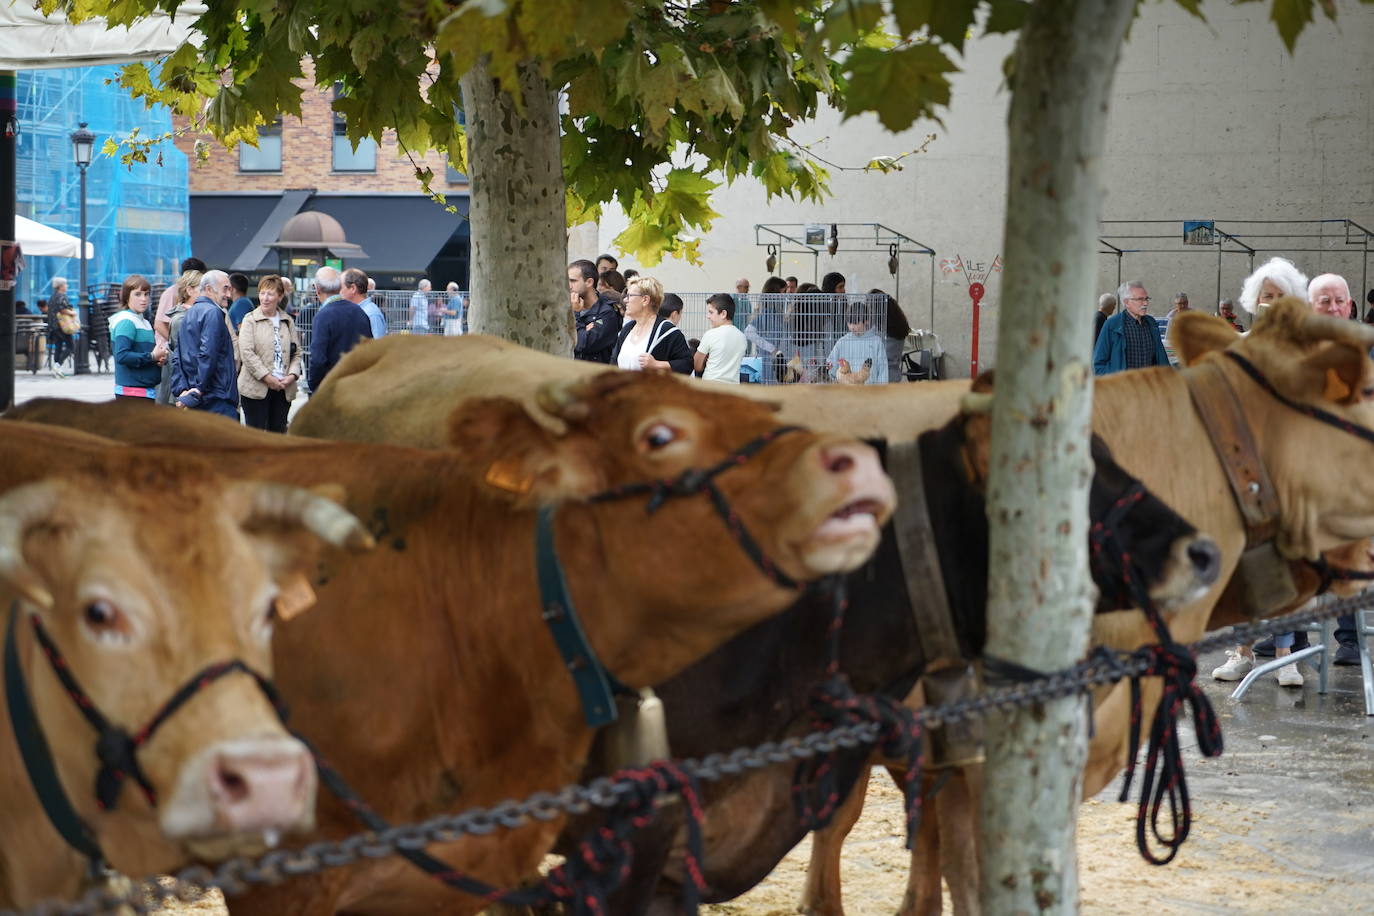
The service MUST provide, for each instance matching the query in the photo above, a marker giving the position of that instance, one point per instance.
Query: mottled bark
(518, 213)
(1039, 592)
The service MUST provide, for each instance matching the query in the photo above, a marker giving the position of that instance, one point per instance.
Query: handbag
(68, 322)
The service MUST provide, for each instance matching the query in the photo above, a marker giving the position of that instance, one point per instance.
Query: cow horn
(19, 509)
(976, 402)
(323, 517)
(566, 400)
(1328, 327)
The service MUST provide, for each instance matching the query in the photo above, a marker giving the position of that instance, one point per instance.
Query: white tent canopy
(36, 239)
(31, 41)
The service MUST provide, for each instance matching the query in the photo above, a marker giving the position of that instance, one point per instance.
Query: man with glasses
(1130, 339)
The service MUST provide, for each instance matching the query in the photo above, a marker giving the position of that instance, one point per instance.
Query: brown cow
(1309, 361)
(435, 686)
(401, 389)
(142, 571)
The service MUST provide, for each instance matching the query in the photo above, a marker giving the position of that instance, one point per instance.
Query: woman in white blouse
(646, 340)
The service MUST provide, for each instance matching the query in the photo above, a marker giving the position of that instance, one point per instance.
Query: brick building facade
(240, 198)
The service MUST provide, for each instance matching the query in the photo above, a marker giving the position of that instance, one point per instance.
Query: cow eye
(101, 616)
(659, 435)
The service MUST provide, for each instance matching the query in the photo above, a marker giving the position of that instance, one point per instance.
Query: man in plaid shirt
(1130, 339)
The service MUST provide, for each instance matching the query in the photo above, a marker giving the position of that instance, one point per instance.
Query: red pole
(975, 293)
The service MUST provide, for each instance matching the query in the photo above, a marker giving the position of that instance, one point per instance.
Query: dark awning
(398, 233)
(222, 225)
(288, 205)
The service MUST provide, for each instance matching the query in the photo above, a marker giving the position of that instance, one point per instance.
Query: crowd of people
(1134, 339)
(799, 331)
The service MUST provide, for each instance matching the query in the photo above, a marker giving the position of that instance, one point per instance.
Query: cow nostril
(231, 784)
(1205, 557)
(837, 461)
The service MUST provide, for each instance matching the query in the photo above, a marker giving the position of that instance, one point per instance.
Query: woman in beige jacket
(270, 356)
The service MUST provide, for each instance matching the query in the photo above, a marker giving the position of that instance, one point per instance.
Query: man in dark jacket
(242, 304)
(205, 377)
(598, 323)
(1130, 339)
(339, 325)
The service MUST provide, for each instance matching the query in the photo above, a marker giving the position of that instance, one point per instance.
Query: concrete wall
(1209, 121)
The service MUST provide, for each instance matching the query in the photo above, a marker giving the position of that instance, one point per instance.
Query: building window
(267, 156)
(347, 157)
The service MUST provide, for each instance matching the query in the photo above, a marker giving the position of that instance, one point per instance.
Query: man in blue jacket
(339, 325)
(1130, 339)
(204, 376)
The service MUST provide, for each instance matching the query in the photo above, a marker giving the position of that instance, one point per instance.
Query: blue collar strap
(38, 762)
(595, 685)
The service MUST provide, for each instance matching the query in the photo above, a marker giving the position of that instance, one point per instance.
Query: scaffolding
(137, 220)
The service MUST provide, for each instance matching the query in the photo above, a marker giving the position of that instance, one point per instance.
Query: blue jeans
(1284, 640)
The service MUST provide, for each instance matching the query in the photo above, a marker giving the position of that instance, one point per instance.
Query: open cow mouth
(859, 516)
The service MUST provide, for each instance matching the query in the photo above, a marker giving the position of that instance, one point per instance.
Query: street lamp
(83, 144)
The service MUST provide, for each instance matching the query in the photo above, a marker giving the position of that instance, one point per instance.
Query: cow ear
(1346, 372)
(1194, 335)
(512, 456)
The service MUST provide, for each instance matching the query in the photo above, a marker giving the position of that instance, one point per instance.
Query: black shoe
(1265, 647)
(1346, 655)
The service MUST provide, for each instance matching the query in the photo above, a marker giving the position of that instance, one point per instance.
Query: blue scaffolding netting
(137, 220)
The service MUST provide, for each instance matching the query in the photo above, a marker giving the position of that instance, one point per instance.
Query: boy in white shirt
(722, 348)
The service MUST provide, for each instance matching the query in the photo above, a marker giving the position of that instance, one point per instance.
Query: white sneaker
(1289, 676)
(1236, 667)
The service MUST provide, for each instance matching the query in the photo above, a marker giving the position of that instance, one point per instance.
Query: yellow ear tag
(1336, 388)
(295, 598)
(506, 474)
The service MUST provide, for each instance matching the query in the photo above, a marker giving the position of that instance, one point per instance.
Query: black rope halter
(115, 747)
(697, 480)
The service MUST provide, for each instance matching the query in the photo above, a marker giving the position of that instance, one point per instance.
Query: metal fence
(804, 336)
(796, 338)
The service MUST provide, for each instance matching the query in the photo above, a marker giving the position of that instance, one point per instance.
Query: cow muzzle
(1192, 568)
(239, 796)
(847, 536)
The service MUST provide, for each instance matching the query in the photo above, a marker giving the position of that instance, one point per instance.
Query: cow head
(1315, 361)
(141, 578)
(1134, 535)
(815, 503)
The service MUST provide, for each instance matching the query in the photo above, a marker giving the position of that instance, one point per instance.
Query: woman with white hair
(1276, 278)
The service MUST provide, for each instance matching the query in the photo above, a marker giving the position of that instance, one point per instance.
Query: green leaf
(1291, 17)
(899, 86)
(948, 20)
(1005, 16)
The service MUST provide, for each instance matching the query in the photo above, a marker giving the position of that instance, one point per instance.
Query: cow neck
(1234, 444)
(918, 550)
(1130, 411)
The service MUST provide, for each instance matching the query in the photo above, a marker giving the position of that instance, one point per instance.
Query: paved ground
(93, 387)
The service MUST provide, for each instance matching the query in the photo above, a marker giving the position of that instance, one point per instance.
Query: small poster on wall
(11, 263)
(815, 234)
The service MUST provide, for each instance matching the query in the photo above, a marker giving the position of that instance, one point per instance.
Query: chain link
(234, 876)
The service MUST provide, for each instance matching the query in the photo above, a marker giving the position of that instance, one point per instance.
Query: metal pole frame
(9, 139)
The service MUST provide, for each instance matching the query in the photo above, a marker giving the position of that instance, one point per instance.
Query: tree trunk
(1039, 593)
(518, 214)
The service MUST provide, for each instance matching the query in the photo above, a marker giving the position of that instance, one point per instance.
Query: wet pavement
(1286, 814)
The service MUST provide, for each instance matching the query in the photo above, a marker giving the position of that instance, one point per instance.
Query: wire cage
(797, 338)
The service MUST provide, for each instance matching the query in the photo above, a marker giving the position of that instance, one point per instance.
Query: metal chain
(233, 876)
